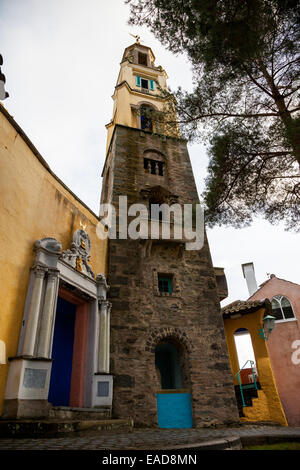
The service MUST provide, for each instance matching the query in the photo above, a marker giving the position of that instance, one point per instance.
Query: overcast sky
(61, 62)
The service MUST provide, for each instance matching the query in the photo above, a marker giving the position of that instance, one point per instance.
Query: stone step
(59, 428)
(66, 413)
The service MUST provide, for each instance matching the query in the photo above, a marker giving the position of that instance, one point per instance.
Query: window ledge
(285, 320)
(167, 294)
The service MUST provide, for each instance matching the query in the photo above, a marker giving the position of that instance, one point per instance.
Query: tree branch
(257, 83)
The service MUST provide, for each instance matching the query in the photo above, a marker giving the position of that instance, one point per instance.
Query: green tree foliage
(245, 59)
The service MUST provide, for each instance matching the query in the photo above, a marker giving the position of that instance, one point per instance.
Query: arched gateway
(174, 409)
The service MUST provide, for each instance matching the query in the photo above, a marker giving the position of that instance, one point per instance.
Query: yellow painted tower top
(139, 86)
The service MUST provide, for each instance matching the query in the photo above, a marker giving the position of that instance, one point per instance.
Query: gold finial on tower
(137, 38)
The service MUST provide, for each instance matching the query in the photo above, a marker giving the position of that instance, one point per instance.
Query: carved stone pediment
(78, 255)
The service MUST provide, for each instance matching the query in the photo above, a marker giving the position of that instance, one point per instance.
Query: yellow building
(254, 381)
(52, 262)
(53, 276)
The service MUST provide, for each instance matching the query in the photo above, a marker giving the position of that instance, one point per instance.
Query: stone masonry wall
(141, 316)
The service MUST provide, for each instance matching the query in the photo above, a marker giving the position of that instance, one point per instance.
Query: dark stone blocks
(125, 381)
(142, 318)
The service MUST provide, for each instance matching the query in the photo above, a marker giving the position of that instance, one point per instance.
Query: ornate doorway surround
(66, 274)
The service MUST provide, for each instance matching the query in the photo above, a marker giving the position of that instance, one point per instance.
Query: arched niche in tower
(148, 116)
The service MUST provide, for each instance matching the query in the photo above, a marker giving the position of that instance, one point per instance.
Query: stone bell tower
(169, 356)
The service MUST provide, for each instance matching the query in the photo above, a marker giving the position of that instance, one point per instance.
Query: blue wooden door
(174, 410)
(62, 353)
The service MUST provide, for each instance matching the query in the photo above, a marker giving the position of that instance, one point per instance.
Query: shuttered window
(144, 83)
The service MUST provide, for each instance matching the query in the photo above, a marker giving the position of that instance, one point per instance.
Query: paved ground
(151, 439)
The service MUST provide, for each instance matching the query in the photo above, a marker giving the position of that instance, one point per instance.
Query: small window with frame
(144, 83)
(281, 308)
(165, 283)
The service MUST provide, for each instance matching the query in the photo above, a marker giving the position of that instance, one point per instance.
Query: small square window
(165, 283)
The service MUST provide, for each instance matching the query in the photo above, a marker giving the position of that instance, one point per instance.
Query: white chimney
(249, 275)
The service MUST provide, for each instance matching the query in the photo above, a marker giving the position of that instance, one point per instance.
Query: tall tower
(168, 350)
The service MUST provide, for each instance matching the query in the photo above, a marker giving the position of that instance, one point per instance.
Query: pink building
(284, 341)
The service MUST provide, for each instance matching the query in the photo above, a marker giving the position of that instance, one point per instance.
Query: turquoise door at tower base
(174, 410)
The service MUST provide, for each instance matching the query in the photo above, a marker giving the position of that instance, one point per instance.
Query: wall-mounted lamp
(268, 327)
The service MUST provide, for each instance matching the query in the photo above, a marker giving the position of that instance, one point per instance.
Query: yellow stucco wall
(34, 204)
(123, 114)
(267, 407)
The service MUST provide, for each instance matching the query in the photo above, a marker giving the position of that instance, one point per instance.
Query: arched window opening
(282, 308)
(244, 348)
(142, 59)
(146, 118)
(167, 363)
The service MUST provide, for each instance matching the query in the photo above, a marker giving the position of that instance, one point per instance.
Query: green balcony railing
(248, 386)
